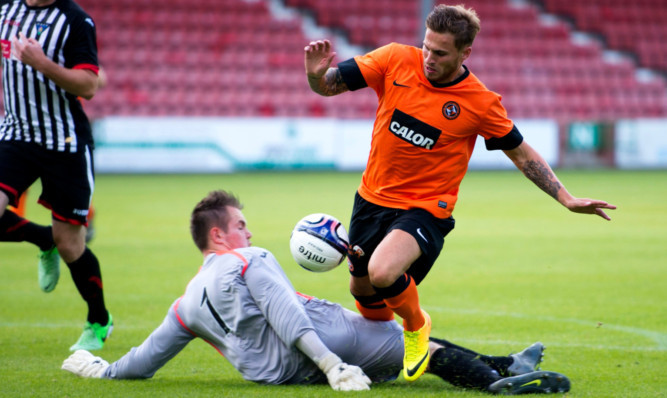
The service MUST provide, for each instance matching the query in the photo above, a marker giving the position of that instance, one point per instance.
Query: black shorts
(370, 223)
(67, 178)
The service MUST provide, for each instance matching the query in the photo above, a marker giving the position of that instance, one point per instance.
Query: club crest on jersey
(40, 27)
(451, 110)
(413, 130)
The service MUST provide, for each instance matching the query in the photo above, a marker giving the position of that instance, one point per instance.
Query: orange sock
(406, 305)
(377, 311)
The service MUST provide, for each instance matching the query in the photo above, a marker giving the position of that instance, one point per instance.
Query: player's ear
(217, 236)
(466, 52)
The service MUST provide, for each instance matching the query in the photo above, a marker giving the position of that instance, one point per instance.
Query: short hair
(463, 23)
(211, 212)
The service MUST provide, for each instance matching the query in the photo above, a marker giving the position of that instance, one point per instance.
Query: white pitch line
(659, 338)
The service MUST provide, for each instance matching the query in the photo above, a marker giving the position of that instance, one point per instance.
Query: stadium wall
(225, 145)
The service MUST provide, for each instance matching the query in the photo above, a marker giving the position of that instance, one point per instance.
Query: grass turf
(518, 268)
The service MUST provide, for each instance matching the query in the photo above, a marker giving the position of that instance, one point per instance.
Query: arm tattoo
(544, 178)
(331, 84)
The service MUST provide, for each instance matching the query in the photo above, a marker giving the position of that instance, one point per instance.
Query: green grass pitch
(518, 268)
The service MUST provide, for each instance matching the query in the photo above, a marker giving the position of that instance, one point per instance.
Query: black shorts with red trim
(67, 178)
(370, 223)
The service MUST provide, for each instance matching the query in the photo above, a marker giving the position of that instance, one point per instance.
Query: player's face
(442, 60)
(237, 235)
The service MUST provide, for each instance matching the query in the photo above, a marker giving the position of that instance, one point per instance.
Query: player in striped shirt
(49, 60)
(242, 304)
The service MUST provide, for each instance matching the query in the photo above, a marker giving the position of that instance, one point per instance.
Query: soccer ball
(319, 242)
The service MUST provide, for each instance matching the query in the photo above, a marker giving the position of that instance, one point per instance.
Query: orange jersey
(423, 135)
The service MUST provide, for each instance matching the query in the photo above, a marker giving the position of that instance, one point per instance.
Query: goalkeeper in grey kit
(242, 303)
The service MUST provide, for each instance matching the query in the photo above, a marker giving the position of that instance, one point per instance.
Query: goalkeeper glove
(83, 363)
(342, 376)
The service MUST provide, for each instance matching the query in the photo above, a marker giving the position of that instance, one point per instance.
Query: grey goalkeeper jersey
(242, 303)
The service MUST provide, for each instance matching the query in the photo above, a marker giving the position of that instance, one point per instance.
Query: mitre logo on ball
(319, 242)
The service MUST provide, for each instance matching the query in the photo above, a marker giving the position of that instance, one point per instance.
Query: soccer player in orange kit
(431, 110)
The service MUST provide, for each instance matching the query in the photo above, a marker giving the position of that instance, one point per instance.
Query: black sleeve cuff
(510, 141)
(351, 74)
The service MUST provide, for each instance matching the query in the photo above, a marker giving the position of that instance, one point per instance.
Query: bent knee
(69, 250)
(384, 276)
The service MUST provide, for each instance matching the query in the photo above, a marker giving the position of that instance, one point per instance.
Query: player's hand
(318, 57)
(28, 50)
(344, 377)
(83, 363)
(590, 206)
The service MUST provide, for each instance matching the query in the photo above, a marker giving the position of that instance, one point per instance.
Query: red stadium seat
(234, 58)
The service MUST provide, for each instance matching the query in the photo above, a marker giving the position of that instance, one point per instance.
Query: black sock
(462, 369)
(499, 364)
(14, 228)
(88, 280)
(449, 344)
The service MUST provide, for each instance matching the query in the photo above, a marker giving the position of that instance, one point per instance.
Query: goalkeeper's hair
(211, 212)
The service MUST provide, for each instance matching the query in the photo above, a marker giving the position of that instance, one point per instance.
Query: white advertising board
(223, 145)
(641, 143)
(542, 135)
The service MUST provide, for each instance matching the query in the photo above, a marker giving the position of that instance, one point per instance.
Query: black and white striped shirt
(36, 110)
